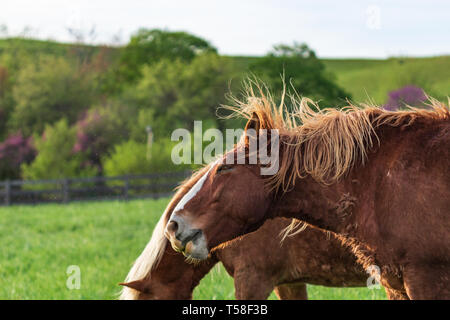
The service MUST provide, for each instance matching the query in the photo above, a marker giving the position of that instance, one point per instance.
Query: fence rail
(125, 187)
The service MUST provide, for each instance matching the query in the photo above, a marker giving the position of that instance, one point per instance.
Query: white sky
(358, 28)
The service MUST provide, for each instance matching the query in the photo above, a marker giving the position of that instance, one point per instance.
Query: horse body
(312, 256)
(379, 179)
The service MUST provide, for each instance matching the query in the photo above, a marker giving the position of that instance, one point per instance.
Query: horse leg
(427, 281)
(393, 294)
(291, 291)
(251, 285)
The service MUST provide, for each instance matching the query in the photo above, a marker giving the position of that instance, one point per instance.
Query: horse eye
(224, 168)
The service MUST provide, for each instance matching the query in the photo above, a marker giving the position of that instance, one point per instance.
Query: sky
(334, 29)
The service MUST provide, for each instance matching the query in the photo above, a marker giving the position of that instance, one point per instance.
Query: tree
(150, 46)
(100, 129)
(56, 158)
(49, 90)
(407, 96)
(302, 70)
(180, 92)
(6, 101)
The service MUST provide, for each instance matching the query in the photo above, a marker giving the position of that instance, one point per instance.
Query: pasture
(374, 79)
(39, 243)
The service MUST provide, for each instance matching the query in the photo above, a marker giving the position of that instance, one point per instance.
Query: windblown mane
(152, 254)
(324, 144)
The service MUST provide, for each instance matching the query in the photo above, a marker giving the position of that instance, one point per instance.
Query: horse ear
(253, 123)
(138, 285)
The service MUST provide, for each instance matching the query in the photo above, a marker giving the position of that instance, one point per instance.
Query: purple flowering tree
(14, 151)
(97, 131)
(409, 95)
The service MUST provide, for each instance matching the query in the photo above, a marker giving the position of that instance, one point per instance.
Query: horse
(313, 256)
(379, 179)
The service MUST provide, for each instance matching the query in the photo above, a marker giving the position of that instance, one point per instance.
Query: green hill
(32, 48)
(363, 78)
(373, 79)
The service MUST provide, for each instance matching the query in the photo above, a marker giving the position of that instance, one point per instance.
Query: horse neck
(201, 270)
(175, 272)
(327, 207)
(339, 207)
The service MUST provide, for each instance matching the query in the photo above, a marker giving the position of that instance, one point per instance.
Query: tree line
(78, 110)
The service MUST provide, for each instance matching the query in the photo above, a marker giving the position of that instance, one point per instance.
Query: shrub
(131, 158)
(15, 151)
(56, 158)
(99, 130)
(407, 96)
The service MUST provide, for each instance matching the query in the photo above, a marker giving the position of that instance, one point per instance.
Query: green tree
(101, 128)
(6, 101)
(301, 69)
(56, 158)
(179, 92)
(48, 90)
(150, 46)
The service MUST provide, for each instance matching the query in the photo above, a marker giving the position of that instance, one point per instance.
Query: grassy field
(374, 79)
(39, 243)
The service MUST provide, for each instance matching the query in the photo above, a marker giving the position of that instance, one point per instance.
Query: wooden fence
(93, 188)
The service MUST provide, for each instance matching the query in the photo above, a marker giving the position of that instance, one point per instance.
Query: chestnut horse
(312, 256)
(379, 179)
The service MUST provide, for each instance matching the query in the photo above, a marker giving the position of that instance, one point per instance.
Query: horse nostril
(172, 227)
(192, 236)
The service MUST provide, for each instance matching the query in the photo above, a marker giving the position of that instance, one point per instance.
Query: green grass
(39, 243)
(374, 79)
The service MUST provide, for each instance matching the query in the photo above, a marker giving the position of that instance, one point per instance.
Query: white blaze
(194, 190)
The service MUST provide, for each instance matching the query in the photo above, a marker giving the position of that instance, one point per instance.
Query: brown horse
(379, 179)
(312, 256)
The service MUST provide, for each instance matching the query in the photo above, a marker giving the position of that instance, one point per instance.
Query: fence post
(126, 188)
(66, 190)
(7, 193)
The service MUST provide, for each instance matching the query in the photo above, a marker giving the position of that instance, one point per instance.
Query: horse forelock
(149, 259)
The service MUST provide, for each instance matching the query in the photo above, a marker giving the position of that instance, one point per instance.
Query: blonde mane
(154, 250)
(324, 144)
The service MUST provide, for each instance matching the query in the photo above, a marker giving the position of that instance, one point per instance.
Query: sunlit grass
(39, 243)
(374, 79)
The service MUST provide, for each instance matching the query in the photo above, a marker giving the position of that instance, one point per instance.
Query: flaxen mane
(150, 257)
(324, 144)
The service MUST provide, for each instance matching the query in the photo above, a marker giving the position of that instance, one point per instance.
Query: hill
(363, 78)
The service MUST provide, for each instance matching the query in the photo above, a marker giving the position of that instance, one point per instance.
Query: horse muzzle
(185, 239)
